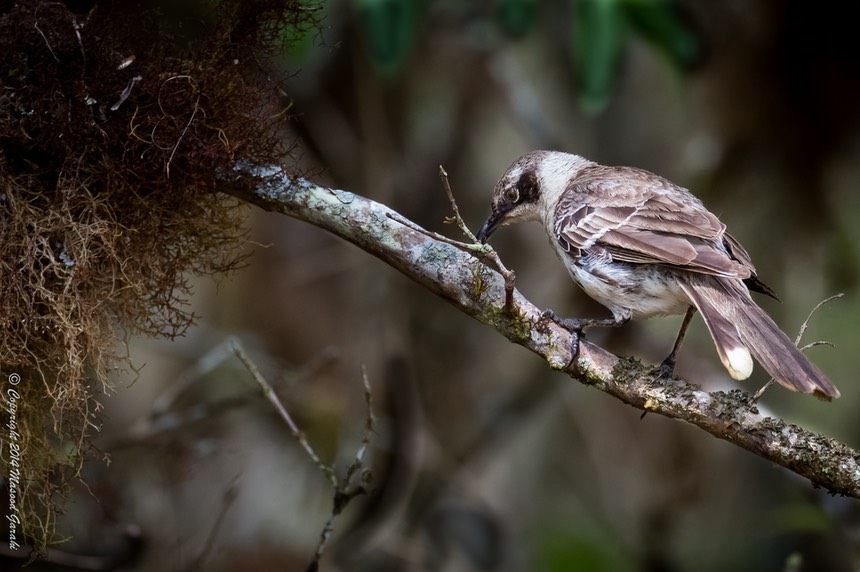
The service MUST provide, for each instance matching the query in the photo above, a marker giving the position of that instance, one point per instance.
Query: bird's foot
(572, 325)
(576, 325)
(667, 368)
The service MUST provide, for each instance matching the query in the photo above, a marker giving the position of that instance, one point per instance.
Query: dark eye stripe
(528, 187)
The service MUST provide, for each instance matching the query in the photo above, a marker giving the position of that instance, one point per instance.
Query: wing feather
(639, 217)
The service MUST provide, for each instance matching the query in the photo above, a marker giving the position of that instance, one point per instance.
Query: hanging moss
(114, 122)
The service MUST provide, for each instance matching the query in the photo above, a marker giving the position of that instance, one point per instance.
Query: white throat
(556, 171)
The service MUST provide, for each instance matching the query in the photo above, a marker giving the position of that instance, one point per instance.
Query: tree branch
(459, 277)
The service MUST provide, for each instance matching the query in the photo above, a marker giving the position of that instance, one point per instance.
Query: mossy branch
(460, 277)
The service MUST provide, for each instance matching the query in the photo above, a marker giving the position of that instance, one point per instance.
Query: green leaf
(599, 33)
(658, 21)
(516, 17)
(389, 28)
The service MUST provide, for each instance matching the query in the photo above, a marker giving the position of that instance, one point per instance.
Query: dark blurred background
(484, 459)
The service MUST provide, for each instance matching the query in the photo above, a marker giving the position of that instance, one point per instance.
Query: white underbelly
(631, 291)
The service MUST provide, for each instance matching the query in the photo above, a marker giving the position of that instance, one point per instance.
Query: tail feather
(740, 328)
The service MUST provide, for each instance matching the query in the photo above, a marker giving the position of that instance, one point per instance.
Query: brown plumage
(643, 246)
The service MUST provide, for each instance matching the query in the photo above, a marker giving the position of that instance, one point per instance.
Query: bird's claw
(667, 369)
(572, 325)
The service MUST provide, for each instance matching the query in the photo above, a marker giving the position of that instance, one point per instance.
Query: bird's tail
(740, 328)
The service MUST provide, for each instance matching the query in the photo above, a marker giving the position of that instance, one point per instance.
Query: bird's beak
(489, 227)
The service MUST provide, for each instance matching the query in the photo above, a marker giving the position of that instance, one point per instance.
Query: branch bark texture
(460, 277)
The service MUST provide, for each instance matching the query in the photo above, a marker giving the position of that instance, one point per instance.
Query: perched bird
(643, 246)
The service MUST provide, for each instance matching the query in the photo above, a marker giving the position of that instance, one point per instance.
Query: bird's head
(530, 188)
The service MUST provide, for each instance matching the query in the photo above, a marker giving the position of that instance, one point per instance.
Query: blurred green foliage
(600, 28)
(389, 28)
(516, 17)
(659, 22)
(599, 32)
(562, 550)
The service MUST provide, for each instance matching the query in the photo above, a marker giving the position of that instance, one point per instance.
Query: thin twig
(229, 498)
(347, 491)
(369, 427)
(164, 402)
(456, 218)
(817, 343)
(800, 333)
(474, 248)
(509, 275)
(270, 394)
(805, 323)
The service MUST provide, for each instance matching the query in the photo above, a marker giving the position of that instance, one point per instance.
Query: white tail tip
(739, 363)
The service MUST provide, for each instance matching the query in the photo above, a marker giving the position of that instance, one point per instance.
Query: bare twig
(483, 250)
(347, 489)
(456, 218)
(356, 479)
(817, 343)
(270, 394)
(474, 248)
(229, 498)
(369, 427)
(201, 366)
(805, 323)
(490, 253)
(800, 333)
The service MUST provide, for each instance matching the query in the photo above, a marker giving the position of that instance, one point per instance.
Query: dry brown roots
(113, 129)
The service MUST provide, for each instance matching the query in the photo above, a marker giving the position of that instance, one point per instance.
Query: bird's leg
(576, 325)
(667, 367)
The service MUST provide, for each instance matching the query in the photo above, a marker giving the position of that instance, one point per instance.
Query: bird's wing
(636, 216)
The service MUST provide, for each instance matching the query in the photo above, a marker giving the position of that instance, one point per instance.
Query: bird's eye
(512, 195)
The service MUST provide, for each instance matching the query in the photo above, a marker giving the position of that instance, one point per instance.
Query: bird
(643, 246)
